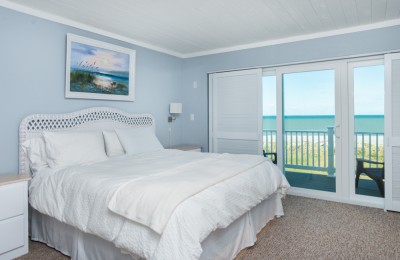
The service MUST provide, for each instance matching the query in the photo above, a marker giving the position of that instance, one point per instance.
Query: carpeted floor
(311, 229)
(40, 251)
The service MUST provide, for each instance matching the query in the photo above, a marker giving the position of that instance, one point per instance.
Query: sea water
(362, 123)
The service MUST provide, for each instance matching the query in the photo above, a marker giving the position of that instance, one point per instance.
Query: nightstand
(190, 148)
(13, 216)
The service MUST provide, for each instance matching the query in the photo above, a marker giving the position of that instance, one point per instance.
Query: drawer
(11, 234)
(12, 200)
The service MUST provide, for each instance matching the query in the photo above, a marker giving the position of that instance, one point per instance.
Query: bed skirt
(220, 244)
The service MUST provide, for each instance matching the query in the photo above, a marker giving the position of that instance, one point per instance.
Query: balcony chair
(377, 174)
(272, 156)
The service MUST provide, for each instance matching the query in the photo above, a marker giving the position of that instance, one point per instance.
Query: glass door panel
(369, 129)
(269, 116)
(308, 129)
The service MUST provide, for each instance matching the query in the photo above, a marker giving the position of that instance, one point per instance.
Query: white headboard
(96, 118)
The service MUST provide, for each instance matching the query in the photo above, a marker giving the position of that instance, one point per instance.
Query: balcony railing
(315, 150)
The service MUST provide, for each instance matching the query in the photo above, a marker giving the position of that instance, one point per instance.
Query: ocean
(363, 123)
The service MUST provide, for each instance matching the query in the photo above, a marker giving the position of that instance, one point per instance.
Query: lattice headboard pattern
(97, 118)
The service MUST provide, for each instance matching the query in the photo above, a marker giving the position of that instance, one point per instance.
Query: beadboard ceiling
(189, 28)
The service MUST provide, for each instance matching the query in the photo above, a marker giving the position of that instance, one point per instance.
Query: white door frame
(344, 109)
(390, 141)
(344, 112)
(330, 65)
(350, 181)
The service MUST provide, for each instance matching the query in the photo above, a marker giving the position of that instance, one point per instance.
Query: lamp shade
(175, 108)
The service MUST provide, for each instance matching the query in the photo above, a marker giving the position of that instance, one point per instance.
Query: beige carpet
(311, 229)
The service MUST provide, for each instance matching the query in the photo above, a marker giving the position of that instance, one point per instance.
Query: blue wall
(32, 76)
(32, 80)
(196, 69)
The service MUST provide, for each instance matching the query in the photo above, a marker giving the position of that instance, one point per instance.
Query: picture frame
(99, 70)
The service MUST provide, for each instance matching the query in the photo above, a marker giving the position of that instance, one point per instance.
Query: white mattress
(78, 196)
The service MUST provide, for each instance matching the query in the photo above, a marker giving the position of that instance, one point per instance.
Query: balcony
(309, 158)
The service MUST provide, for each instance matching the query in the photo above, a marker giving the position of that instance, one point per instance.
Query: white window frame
(345, 183)
(330, 65)
(361, 199)
(391, 141)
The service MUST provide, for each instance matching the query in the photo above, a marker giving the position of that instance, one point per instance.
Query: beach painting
(99, 70)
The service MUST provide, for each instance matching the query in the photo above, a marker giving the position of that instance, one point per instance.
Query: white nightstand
(13, 216)
(191, 148)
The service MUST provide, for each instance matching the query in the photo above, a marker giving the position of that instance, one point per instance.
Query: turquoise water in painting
(98, 82)
(362, 123)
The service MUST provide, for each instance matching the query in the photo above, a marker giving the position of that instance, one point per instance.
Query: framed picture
(99, 70)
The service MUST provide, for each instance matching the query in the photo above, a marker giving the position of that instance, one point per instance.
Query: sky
(86, 56)
(313, 93)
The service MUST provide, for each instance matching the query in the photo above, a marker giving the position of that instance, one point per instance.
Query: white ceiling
(193, 27)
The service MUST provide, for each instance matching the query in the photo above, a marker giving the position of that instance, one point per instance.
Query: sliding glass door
(323, 124)
(269, 115)
(309, 120)
(367, 89)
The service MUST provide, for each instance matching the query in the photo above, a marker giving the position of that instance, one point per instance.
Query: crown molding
(82, 26)
(348, 30)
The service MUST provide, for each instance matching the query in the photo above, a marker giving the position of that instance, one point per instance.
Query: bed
(121, 208)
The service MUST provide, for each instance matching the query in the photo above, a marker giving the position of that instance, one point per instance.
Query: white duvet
(80, 196)
(152, 200)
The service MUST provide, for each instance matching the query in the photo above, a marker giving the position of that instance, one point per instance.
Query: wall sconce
(174, 108)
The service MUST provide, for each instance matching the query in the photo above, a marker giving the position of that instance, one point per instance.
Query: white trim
(260, 112)
(344, 174)
(331, 196)
(390, 140)
(388, 132)
(210, 111)
(351, 167)
(341, 95)
(279, 120)
(330, 65)
(338, 128)
(82, 26)
(355, 57)
(348, 30)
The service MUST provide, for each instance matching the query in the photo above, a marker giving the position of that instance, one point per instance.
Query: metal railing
(315, 150)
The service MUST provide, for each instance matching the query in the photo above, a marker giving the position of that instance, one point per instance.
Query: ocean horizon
(363, 123)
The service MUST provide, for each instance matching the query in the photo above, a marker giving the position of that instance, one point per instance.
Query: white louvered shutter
(392, 132)
(236, 112)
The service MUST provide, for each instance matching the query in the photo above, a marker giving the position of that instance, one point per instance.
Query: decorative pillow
(35, 150)
(138, 140)
(72, 148)
(113, 145)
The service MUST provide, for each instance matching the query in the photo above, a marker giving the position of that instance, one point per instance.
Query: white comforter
(79, 196)
(152, 200)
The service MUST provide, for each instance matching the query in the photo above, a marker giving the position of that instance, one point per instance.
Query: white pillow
(35, 150)
(138, 140)
(113, 145)
(72, 148)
